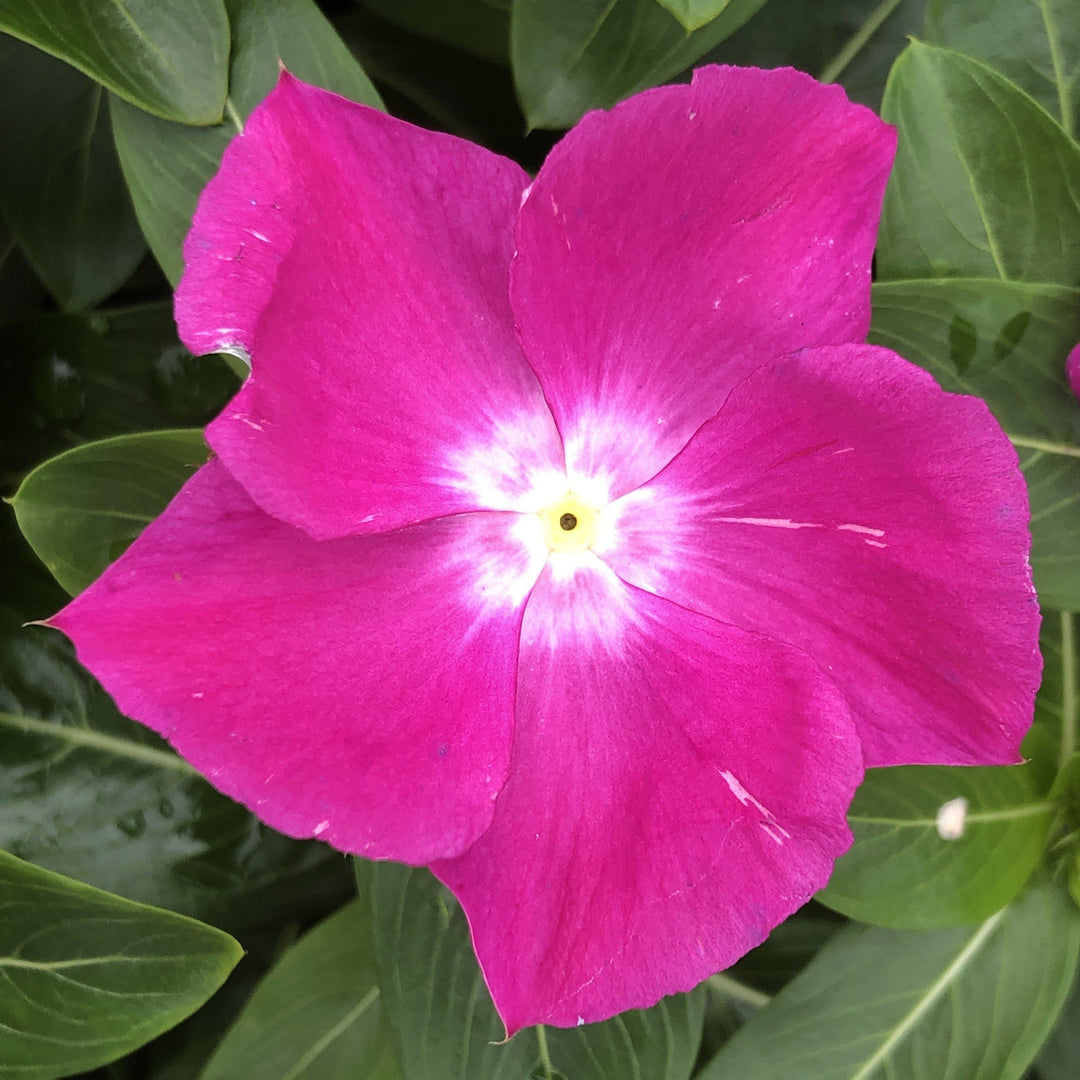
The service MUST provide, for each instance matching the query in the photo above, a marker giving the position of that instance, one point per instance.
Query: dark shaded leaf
(169, 59)
(480, 27)
(317, 1014)
(87, 976)
(61, 190)
(570, 56)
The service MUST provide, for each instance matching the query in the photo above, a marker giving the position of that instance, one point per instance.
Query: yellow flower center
(570, 524)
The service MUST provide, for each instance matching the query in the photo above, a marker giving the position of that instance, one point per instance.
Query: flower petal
(841, 501)
(677, 788)
(358, 690)
(1072, 370)
(362, 263)
(673, 244)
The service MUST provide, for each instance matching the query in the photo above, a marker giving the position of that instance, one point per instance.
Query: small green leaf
(167, 165)
(1006, 342)
(694, 14)
(88, 977)
(444, 1022)
(972, 1003)
(169, 59)
(1035, 43)
(570, 56)
(986, 183)
(317, 1015)
(902, 871)
(480, 27)
(61, 189)
(80, 510)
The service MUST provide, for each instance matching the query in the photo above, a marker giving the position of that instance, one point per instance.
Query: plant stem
(835, 68)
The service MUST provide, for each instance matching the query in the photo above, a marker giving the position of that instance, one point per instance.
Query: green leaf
(88, 977)
(480, 27)
(75, 377)
(80, 510)
(694, 14)
(1006, 342)
(169, 59)
(61, 189)
(446, 1027)
(317, 1015)
(986, 183)
(788, 949)
(971, 1003)
(1057, 706)
(167, 165)
(902, 872)
(570, 56)
(88, 793)
(1035, 43)
(1060, 1057)
(853, 42)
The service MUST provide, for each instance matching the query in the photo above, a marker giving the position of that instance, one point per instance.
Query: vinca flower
(1072, 370)
(566, 537)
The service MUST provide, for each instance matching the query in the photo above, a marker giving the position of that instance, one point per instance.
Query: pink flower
(565, 538)
(1072, 370)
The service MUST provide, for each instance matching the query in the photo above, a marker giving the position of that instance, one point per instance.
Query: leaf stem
(233, 115)
(855, 44)
(98, 740)
(1045, 445)
(1068, 689)
(727, 986)
(545, 1056)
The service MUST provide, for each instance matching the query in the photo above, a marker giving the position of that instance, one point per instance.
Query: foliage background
(924, 958)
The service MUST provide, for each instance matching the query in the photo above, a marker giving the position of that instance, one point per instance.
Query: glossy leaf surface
(169, 59)
(88, 976)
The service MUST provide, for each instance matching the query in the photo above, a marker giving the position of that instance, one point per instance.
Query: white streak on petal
(770, 824)
(772, 523)
(865, 529)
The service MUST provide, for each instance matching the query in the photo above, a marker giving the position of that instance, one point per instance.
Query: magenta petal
(843, 502)
(1072, 370)
(678, 787)
(673, 244)
(358, 690)
(362, 263)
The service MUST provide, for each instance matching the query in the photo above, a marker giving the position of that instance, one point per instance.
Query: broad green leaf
(787, 949)
(167, 58)
(1006, 342)
(88, 977)
(446, 1027)
(81, 510)
(480, 27)
(73, 377)
(570, 56)
(986, 183)
(317, 1015)
(972, 1003)
(1035, 43)
(1059, 1059)
(88, 793)
(694, 14)
(167, 165)
(902, 872)
(61, 190)
(853, 42)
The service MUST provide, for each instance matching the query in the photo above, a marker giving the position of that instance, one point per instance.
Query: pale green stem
(857, 42)
(545, 1056)
(1068, 688)
(233, 115)
(726, 986)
